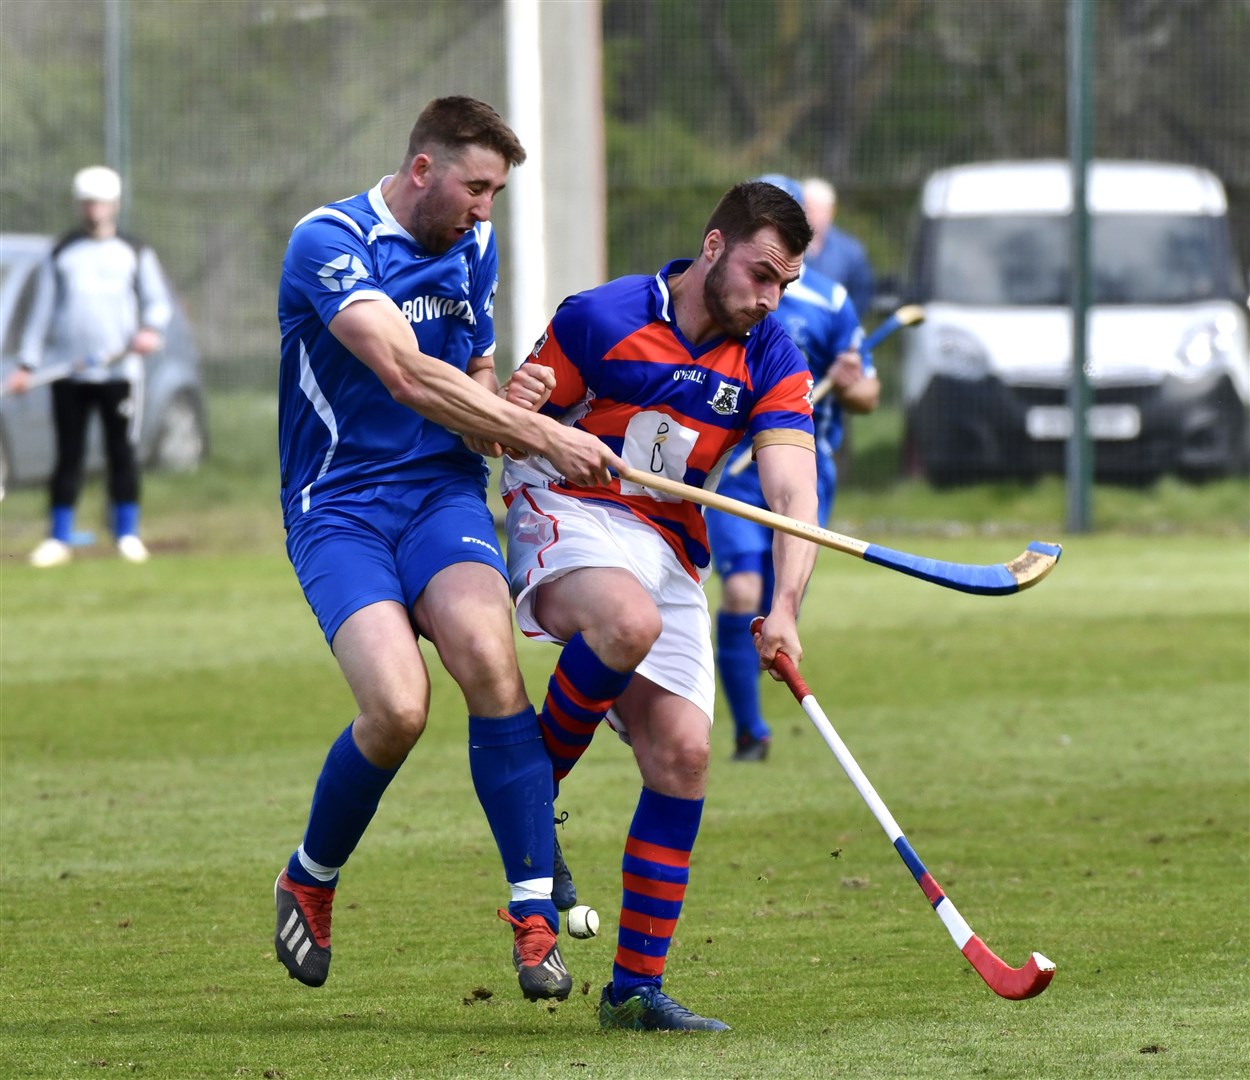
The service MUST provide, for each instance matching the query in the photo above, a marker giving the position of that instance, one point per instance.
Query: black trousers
(72, 406)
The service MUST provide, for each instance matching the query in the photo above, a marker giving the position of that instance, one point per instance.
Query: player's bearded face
(733, 308)
(459, 192)
(745, 283)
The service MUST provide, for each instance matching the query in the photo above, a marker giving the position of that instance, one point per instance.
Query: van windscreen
(1023, 261)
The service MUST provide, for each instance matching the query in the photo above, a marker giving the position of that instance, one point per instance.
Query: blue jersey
(338, 426)
(821, 320)
(843, 259)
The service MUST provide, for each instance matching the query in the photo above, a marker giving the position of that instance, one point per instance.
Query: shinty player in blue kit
(821, 319)
(385, 308)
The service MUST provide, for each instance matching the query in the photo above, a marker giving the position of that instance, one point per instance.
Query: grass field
(1073, 764)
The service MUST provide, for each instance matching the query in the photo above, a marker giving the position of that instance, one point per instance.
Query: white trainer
(51, 552)
(132, 549)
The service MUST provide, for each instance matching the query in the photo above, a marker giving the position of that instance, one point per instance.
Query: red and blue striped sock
(654, 872)
(579, 695)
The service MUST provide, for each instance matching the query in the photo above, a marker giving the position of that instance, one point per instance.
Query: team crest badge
(725, 400)
(811, 389)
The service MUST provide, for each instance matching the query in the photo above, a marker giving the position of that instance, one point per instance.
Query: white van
(985, 377)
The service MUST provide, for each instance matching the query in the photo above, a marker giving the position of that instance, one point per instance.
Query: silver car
(173, 431)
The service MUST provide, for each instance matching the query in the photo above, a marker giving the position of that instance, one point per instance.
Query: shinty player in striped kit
(670, 372)
(820, 317)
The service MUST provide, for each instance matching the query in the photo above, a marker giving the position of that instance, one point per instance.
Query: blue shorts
(386, 542)
(740, 546)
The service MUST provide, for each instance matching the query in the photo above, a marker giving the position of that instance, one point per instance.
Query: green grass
(1073, 764)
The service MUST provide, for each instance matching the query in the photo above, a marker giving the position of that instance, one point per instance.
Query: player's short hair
(753, 205)
(459, 122)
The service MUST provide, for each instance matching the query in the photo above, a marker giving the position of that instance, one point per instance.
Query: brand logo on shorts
(725, 400)
(475, 540)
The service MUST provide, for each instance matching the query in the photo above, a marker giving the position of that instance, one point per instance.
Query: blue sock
(654, 873)
(125, 520)
(739, 666)
(344, 802)
(512, 777)
(62, 523)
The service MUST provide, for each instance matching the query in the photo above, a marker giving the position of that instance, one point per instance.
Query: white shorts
(551, 534)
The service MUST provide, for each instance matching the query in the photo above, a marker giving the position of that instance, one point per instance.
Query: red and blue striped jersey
(626, 373)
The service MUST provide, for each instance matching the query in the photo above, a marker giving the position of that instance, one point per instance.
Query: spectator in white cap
(97, 183)
(100, 306)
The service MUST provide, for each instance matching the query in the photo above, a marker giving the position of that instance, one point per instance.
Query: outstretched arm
(379, 336)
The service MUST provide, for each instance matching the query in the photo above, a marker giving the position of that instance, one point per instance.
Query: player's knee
(483, 659)
(679, 765)
(690, 753)
(625, 639)
(387, 732)
(741, 594)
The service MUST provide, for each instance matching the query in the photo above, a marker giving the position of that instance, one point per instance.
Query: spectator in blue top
(834, 253)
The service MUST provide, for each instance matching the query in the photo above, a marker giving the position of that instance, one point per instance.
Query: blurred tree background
(875, 94)
(244, 115)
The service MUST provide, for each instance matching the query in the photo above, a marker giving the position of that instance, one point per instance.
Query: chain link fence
(240, 117)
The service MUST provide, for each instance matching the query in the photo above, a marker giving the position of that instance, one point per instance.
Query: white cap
(97, 183)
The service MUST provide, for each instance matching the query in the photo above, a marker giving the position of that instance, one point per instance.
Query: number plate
(1108, 423)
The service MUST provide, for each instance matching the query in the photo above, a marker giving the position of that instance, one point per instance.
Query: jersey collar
(660, 295)
(388, 224)
(663, 299)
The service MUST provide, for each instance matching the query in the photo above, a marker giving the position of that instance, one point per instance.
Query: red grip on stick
(784, 666)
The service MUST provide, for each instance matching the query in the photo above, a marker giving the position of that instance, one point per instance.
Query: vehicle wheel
(1241, 459)
(181, 440)
(943, 477)
(1231, 456)
(911, 462)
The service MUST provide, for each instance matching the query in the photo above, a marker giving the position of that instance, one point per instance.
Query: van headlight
(960, 355)
(1203, 348)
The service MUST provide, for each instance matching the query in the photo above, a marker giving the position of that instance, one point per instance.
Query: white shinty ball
(583, 921)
